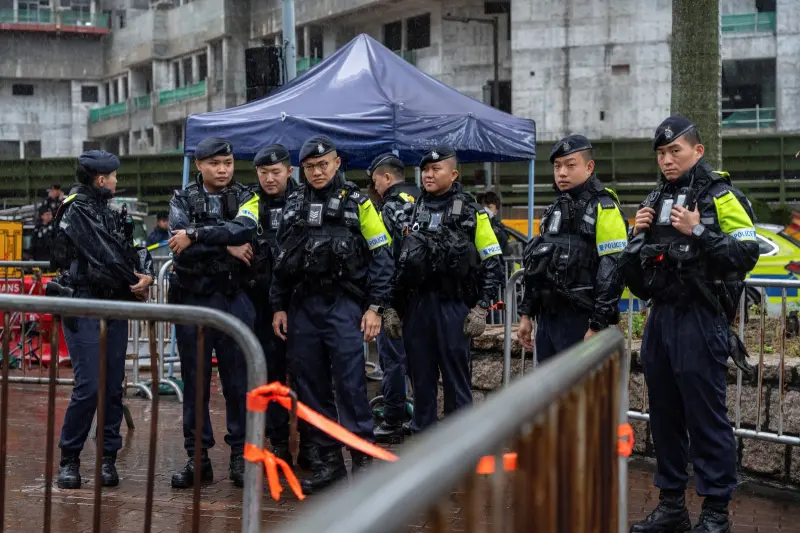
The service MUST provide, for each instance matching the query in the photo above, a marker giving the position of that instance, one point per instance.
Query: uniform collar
(98, 194)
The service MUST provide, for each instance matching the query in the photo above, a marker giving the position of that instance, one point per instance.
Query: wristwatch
(377, 309)
(484, 304)
(192, 234)
(698, 230)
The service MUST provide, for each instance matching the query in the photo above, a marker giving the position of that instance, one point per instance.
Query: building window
(124, 87)
(91, 145)
(108, 93)
(151, 139)
(202, 66)
(393, 36)
(90, 94)
(620, 70)
(418, 32)
(187, 71)
(121, 18)
(22, 89)
(33, 149)
(9, 149)
(315, 44)
(176, 73)
(115, 91)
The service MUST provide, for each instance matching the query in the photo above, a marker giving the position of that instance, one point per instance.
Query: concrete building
(125, 74)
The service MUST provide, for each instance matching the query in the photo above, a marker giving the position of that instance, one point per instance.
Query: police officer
(694, 241)
(572, 287)
(332, 280)
(161, 232)
(448, 272)
(275, 184)
(94, 252)
(493, 206)
(387, 173)
(213, 222)
(43, 235)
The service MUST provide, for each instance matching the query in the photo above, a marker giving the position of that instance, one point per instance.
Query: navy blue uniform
(450, 261)
(334, 261)
(571, 280)
(397, 206)
(94, 252)
(265, 252)
(206, 275)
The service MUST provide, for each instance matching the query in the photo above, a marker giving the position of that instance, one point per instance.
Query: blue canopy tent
(369, 100)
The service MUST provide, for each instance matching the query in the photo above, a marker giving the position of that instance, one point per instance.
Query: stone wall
(777, 463)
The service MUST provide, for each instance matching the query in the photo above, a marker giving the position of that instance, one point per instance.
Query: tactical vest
(561, 264)
(323, 245)
(438, 252)
(269, 219)
(225, 267)
(673, 267)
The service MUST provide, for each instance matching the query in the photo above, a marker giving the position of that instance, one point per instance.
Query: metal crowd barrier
(561, 421)
(109, 310)
(758, 432)
(638, 306)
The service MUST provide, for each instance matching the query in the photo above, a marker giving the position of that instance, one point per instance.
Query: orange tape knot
(625, 442)
(271, 463)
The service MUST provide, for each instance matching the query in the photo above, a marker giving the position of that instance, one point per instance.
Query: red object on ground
(34, 287)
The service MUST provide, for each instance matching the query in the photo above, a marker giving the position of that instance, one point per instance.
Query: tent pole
(185, 170)
(530, 199)
(418, 177)
(290, 41)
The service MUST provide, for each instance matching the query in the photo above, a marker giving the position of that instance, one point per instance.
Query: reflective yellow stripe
(372, 227)
(407, 197)
(249, 209)
(69, 198)
(485, 238)
(612, 194)
(610, 234)
(733, 219)
(721, 173)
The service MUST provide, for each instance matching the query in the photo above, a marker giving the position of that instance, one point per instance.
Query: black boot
(109, 470)
(184, 478)
(236, 469)
(713, 517)
(389, 433)
(307, 457)
(281, 450)
(361, 461)
(325, 470)
(670, 516)
(69, 475)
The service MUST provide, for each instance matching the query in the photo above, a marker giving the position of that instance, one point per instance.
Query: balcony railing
(749, 22)
(180, 94)
(109, 111)
(47, 17)
(142, 102)
(305, 63)
(750, 118)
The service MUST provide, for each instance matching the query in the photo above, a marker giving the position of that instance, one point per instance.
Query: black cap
(439, 153)
(99, 161)
(316, 146)
(271, 155)
(385, 159)
(211, 146)
(569, 145)
(669, 130)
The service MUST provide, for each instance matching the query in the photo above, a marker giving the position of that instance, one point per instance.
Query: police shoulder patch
(606, 202)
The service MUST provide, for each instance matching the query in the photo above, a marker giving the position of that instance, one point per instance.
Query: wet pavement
(123, 507)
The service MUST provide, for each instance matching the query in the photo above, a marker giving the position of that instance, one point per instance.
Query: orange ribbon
(254, 454)
(486, 464)
(625, 440)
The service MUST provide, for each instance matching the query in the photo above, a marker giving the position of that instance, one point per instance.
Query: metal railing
(180, 94)
(756, 117)
(143, 102)
(561, 421)
(759, 21)
(636, 306)
(110, 111)
(306, 63)
(152, 313)
(48, 17)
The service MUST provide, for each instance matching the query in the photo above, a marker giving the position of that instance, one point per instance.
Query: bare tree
(697, 69)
